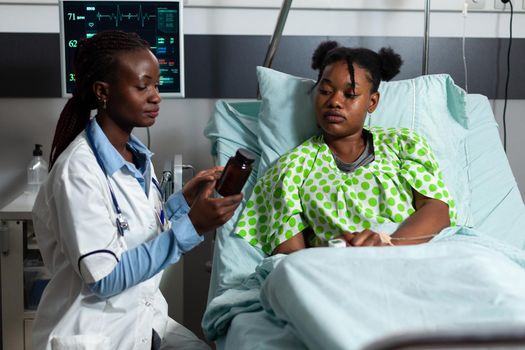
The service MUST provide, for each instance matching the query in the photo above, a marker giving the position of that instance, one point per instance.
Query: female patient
(350, 180)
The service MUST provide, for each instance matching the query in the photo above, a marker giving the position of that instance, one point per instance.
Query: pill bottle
(236, 173)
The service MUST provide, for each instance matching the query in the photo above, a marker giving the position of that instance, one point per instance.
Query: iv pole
(276, 37)
(426, 38)
(283, 15)
(278, 32)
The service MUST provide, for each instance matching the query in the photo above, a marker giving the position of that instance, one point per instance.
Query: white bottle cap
(337, 243)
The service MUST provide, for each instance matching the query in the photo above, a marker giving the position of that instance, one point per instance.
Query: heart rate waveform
(119, 16)
(157, 22)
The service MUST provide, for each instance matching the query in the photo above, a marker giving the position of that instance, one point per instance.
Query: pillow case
(432, 105)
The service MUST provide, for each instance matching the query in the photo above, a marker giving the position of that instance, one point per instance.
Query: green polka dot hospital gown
(306, 189)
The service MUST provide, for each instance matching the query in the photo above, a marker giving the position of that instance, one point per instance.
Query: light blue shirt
(113, 161)
(149, 258)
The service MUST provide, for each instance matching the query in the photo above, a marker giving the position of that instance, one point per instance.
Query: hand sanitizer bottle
(36, 171)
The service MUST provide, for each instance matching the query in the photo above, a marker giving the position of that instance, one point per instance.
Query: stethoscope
(122, 223)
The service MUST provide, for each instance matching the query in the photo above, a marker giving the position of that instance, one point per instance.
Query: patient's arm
(430, 217)
(291, 245)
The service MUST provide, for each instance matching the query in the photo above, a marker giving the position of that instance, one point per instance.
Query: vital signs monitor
(158, 22)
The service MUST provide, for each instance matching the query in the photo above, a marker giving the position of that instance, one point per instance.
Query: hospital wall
(223, 46)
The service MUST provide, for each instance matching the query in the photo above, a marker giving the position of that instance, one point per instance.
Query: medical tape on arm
(386, 239)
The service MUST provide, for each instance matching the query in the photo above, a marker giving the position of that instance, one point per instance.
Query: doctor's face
(341, 110)
(133, 95)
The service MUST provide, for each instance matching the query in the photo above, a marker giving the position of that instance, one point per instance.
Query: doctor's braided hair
(95, 60)
(383, 65)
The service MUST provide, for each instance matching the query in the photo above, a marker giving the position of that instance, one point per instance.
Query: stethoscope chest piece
(122, 224)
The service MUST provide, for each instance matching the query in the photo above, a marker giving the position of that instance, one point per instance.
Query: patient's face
(341, 110)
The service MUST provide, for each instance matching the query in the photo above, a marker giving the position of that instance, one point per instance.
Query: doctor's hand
(208, 213)
(193, 187)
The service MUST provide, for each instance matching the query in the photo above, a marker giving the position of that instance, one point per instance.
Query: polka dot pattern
(306, 189)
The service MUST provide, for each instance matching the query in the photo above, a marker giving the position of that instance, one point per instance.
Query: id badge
(163, 223)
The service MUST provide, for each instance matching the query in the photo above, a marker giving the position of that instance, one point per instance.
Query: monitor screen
(158, 22)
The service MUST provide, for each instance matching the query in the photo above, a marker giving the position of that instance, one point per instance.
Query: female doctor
(103, 230)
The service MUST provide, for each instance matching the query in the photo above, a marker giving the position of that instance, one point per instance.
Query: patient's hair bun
(390, 63)
(320, 53)
(382, 65)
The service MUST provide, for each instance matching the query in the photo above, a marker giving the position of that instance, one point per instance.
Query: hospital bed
(466, 288)
(469, 279)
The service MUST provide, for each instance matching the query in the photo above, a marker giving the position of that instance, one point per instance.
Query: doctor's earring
(104, 103)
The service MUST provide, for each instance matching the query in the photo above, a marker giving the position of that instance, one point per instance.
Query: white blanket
(344, 298)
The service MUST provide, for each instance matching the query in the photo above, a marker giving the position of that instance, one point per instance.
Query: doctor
(103, 230)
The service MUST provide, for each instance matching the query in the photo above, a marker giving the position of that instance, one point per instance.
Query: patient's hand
(365, 238)
(291, 245)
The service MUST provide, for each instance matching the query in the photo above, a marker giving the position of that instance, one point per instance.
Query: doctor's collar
(110, 158)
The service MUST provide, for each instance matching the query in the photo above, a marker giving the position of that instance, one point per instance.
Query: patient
(349, 181)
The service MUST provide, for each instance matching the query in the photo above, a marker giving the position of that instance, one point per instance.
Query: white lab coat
(74, 219)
